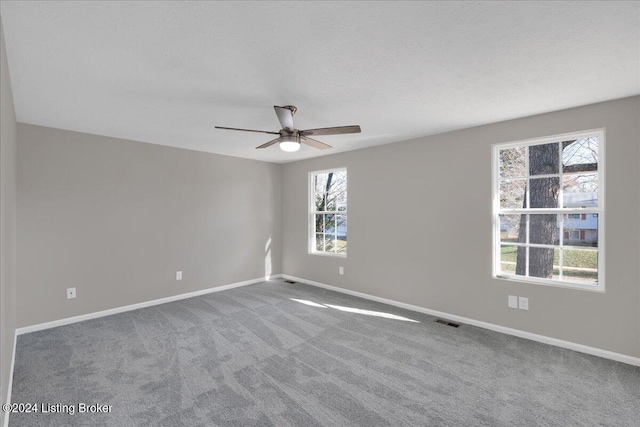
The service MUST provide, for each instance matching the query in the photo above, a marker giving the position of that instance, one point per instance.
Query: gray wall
(420, 229)
(8, 141)
(116, 219)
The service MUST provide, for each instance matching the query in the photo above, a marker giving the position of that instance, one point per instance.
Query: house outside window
(548, 206)
(328, 212)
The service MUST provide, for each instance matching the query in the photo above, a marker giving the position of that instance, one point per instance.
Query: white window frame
(312, 212)
(600, 210)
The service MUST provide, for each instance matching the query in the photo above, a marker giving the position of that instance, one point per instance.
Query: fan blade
(285, 116)
(332, 131)
(249, 130)
(269, 144)
(314, 143)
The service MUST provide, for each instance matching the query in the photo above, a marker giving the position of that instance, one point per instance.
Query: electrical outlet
(523, 303)
(512, 301)
(178, 275)
(71, 293)
(341, 270)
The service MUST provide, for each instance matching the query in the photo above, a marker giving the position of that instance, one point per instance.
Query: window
(328, 212)
(543, 193)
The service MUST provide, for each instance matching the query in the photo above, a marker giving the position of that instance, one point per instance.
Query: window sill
(328, 254)
(553, 283)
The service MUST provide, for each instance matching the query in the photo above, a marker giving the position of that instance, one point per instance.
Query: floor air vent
(446, 322)
(289, 281)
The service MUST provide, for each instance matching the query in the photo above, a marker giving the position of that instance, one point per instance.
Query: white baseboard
(109, 312)
(485, 325)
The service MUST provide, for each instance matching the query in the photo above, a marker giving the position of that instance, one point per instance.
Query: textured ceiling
(168, 72)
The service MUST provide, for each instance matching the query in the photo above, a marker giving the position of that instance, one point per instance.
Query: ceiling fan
(290, 137)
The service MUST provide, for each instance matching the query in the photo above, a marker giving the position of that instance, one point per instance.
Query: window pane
(543, 159)
(512, 162)
(508, 259)
(320, 201)
(580, 258)
(510, 228)
(580, 155)
(341, 246)
(341, 227)
(329, 202)
(320, 182)
(512, 193)
(544, 229)
(337, 192)
(319, 219)
(580, 190)
(581, 230)
(329, 243)
(541, 262)
(580, 265)
(319, 242)
(341, 200)
(330, 223)
(543, 192)
(338, 182)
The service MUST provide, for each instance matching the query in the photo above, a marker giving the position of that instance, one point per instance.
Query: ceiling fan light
(290, 143)
(289, 146)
